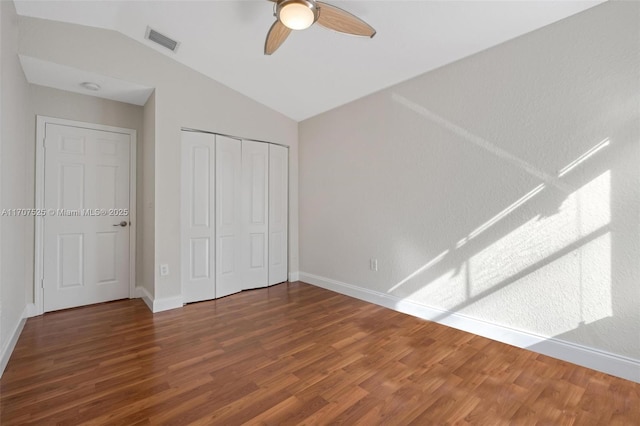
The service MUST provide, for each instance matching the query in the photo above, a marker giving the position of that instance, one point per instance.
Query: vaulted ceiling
(316, 69)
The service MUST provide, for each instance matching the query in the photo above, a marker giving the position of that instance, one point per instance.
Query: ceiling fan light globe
(297, 15)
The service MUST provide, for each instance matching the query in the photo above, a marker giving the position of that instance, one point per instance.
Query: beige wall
(73, 106)
(451, 180)
(183, 98)
(15, 152)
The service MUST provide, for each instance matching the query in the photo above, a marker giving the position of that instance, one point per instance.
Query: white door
(228, 230)
(255, 214)
(278, 217)
(198, 218)
(86, 229)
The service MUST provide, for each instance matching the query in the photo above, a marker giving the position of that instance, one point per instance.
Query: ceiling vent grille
(161, 39)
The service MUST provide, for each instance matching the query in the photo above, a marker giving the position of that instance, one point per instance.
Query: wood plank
(289, 354)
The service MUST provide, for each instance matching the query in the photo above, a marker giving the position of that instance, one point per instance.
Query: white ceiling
(316, 69)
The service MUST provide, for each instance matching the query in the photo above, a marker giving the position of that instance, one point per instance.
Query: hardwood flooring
(290, 354)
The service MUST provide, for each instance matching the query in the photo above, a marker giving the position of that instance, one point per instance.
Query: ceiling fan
(301, 14)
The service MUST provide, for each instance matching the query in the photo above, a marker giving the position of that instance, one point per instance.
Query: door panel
(107, 252)
(278, 217)
(257, 251)
(85, 258)
(228, 218)
(197, 216)
(255, 214)
(71, 186)
(107, 186)
(200, 266)
(70, 264)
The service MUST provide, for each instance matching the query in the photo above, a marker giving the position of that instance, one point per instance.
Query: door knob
(123, 223)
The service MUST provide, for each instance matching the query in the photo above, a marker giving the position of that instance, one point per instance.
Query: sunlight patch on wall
(557, 297)
(420, 270)
(548, 274)
(584, 157)
(582, 213)
(595, 288)
(552, 272)
(497, 218)
(448, 289)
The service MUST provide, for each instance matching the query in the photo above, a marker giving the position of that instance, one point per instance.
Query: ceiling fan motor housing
(297, 14)
(301, 14)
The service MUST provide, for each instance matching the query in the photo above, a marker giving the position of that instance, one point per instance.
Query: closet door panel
(255, 214)
(228, 216)
(197, 217)
(278, 213)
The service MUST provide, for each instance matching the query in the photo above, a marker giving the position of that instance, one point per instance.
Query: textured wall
(504, 186)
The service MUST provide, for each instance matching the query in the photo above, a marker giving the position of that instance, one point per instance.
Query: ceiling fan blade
(278, 33)
(342, 21)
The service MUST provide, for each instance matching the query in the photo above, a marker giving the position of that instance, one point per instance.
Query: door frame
(38, 267)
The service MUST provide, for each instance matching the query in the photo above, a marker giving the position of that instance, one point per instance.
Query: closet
(234, 215)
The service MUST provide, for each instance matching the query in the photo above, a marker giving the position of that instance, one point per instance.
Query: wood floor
(290, 354)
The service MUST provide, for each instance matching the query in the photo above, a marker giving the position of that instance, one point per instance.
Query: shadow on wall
(556, 261)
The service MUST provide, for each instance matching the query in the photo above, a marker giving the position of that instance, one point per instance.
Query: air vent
(162, 39)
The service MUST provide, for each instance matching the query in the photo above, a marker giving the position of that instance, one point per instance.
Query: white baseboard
(8, 348)
(167, 303)
(294, 276)
(32, 311)
(616, 365)
(142, 293)
(158, 305)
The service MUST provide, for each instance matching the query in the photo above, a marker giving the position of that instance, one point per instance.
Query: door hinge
(41, 282)
(44, 143)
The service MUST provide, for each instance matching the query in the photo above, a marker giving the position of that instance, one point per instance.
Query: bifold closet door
(255, 214)
(278, 213)
(229, 264)
(197, 211)
(234, 215)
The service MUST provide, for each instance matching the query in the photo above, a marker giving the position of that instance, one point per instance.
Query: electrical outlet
(373, 264)
(164, 270)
